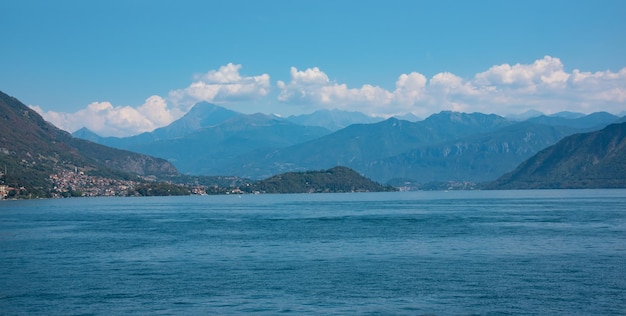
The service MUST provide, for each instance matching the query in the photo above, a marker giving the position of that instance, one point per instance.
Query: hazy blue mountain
(86, 134)
(445, 146)
(482, 157)
(524, 116)
(589, 160)
(589, 122)
(200, 116)
(477, 158)
(458, 124)
(208, 149)
(408, 117)
(361, 143)
(333, 120)
(568, 115)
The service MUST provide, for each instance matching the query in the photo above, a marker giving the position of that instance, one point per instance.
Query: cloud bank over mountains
(544, 85)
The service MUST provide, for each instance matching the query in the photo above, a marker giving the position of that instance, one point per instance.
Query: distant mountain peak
(203, 106)
(449, 115)
(393, 121)
(87, 134)
(568, 115)
(205, 114)
(592, 121)
(334, 119)
(466, 118)
(408, 117)
(85, 130)
(201, 115)
(257, 119)
(525, 115)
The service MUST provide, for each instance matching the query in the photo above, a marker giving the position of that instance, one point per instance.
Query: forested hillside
(589, 160)
(335, 180)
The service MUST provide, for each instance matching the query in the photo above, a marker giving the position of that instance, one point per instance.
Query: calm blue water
(410, 253)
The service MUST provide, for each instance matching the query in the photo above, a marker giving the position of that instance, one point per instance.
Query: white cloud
(155, 109)
(543, 75)
(221, 86)
(312, 87)
(546, 86)
(410, 89)
(543, 85)
(311, 76)
(105, 119)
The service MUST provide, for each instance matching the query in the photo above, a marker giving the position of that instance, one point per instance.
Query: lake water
(559, 252)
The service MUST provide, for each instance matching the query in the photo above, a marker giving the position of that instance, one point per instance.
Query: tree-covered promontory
(335, 180)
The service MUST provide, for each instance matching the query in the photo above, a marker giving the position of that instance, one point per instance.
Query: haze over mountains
(447, 146)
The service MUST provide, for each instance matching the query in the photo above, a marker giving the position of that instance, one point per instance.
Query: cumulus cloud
(105, 119)
(313, 87)
(410, 89)
(548, 71)
(223, 85)
(220, 86)
(544, 85)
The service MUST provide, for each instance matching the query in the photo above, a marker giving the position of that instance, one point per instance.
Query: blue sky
(123, 67)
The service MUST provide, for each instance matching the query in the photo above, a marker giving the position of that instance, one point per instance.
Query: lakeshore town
(76, 183)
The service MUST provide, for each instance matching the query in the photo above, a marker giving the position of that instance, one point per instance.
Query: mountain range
(447, 146)
(333, 120)
(32, 149)
(565, 150)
